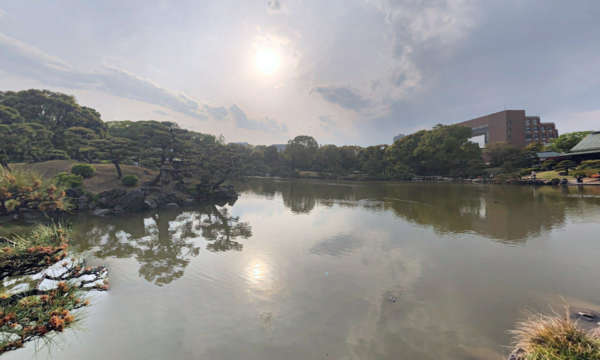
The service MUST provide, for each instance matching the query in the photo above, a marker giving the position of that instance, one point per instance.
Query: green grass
(553, 174)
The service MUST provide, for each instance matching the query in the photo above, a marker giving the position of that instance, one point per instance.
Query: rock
(83, 202)
(188, 202)
(150, 204)
(102, 212)
(133, 201)
(118, 210)
(172, 205)
(111, 198)
(586, 316)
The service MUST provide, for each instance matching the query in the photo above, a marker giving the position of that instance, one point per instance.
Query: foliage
(31, 312)
(510, 158)
(129, 180)
(85, 170)
(589, 164)
(565, 165)
(115, 149)
(565, 142)
(301, 151)
(69, 181)
(54, 113)
(444, 151)
(548, 164)
(555, 337)
(27, 190)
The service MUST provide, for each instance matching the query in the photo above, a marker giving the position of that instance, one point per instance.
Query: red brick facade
(512, 127)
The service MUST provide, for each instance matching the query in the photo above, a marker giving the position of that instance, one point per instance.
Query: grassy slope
(549, 175)
(105, 178)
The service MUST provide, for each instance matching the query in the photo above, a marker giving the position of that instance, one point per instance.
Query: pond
(335, 270)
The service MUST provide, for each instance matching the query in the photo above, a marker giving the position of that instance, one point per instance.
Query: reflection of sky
(320, 285)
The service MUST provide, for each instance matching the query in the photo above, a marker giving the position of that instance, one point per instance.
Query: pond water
(326, 270)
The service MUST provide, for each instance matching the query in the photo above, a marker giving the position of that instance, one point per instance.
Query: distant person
(533, 175)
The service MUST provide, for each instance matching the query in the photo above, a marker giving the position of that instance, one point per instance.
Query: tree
(9, 115)
(509, 158)
(78, 141)
(301, 152)
(373, 160)
(53, 110)
(115, 149)
(444, 150)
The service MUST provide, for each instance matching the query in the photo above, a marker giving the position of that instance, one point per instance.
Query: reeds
(555, 337)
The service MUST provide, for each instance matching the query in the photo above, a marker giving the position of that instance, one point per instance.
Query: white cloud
(30, 62)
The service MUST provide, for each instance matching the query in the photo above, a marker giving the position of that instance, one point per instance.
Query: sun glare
(267, 61)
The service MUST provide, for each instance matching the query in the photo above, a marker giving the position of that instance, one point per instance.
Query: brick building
(511, 127)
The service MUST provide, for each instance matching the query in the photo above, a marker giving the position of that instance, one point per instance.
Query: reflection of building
(511, 127)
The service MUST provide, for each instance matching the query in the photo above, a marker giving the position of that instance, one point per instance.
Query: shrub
(85, 170)
(555, 337)
(565, 165)
(548, 164)
(27, 190)
(526, 172)
(555, 181)
(579, 173)
(589, 164)
(69, 180)
(129, 180)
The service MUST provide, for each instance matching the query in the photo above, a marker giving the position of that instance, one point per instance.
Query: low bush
(565, 165)
(85, 170)
(129, 180)
(69, 180)
(548, 165)
(589, 164)
(579, 173)
(526, 172)
(555, 181)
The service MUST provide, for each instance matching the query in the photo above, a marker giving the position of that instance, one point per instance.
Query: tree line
(41, 125)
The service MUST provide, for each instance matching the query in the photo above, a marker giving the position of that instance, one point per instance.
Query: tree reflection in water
(508, 214)
(162, 243)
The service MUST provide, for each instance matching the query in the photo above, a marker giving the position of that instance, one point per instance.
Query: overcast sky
(344, 71)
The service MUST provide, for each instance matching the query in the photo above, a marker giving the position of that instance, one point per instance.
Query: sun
(267, 61)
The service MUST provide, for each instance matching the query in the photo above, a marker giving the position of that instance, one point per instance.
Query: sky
(344, 71)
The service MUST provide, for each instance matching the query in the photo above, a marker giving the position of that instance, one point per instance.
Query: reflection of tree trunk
(118, 167)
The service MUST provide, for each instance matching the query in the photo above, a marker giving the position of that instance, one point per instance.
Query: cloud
(326, 122)
(160, 112)
(25, 60)
(345, 97)
(217, 112)
(267, 125)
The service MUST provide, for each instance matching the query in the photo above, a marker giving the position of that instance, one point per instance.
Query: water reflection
(506, 213)
(162, 243)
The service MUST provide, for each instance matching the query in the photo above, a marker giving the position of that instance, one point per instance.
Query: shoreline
(433, 179)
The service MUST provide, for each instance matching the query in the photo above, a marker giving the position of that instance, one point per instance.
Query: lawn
(104, 179)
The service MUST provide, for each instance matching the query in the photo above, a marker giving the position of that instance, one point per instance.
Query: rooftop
(589, 143)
